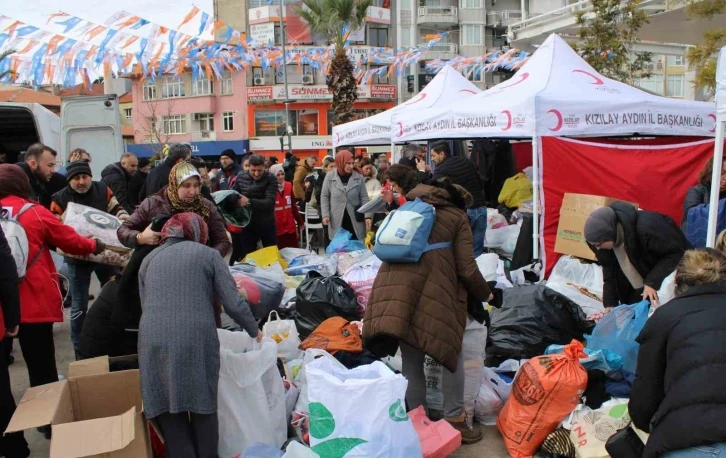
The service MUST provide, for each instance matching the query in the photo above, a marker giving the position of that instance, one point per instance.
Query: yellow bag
(516, 190)
(266, 257)
(370, 236)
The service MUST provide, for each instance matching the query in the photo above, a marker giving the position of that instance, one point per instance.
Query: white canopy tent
(718, 147)
(556, 93)
(448, 86)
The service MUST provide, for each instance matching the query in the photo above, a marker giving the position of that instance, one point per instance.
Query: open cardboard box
(94, 413)
(575, 210)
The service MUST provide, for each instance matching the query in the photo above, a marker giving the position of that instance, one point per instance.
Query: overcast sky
(168, 13)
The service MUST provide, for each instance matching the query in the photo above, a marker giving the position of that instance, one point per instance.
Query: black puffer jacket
(262, 194)
(655, 246)
(118, 179)
(158, 178)
(462, 171)
(678, 393)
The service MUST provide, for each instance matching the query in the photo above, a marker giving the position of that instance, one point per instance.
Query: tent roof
(448, 86)
(557, 93)
(721, 86)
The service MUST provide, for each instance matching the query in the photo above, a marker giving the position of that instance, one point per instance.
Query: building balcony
(204, 136)
(503, 19)
(669, 23)
(443, 51)
(438, 15)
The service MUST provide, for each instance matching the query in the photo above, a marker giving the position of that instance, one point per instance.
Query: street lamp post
(283, 38)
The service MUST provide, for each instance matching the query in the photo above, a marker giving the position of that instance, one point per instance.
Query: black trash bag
(319, 298)
(532, 318)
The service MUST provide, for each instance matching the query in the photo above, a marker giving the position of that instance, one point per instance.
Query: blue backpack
(404, 234)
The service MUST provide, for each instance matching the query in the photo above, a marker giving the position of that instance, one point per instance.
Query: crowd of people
(166, 303)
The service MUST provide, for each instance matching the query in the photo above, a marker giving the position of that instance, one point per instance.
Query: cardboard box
(95, 413)
(575, 210)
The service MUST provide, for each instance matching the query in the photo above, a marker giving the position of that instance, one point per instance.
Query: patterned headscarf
(13, 181)
(188, 226)
(180, 173)
(341, 157)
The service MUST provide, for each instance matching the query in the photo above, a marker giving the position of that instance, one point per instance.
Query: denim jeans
(79, 276)
(699, 451)
(478, 221)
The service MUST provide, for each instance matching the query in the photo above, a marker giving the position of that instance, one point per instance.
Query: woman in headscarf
(287, 216)
(183, 194)
(41, 303)
(178, 343)
(344, 192)
(637, 251)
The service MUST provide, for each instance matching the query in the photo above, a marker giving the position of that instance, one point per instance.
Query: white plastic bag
(325, 265)
(579, 281)
(591, 429)
(349, 259)
(251, 396)
(495, 220)
(497, 238)
(493, 393)
(297, 450)
(310, 355)
(474, 352)
(487, 263)
(288, 254)
(359, 412)
(433, 372)
(285, 334)
(360, 278)
(667, 290)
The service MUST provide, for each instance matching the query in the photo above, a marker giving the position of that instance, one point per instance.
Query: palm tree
(332, 19)
(3, 56)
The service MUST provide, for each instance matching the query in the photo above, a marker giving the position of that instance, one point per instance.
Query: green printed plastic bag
(359, 412)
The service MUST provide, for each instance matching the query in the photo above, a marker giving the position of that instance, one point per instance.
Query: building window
(674, 85)
(653, 84)
(471, 35)
(378, 36)
(271, 123)
(405, 37)
(228, 121)
(472, 4)
(203, 86)
(128, 112)
(377, 78)
(172, 88)
(296, 74)
(149, 90)
(227, 83)
(676, 61)
(174, 124)
(206, 121)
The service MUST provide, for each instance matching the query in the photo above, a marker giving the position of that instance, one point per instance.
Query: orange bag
(545, 391)
(334, 335)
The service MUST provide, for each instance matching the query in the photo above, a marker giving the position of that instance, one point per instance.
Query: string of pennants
(69, 48)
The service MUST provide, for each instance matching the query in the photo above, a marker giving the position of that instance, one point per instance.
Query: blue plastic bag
(618, 330)
(604, 360)
(342, 243)
(258, 450)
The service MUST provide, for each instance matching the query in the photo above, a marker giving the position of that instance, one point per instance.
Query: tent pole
(715, 180)
(535, 197)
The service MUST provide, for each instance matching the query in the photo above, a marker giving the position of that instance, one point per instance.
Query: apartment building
(311, 116)
(209, 114)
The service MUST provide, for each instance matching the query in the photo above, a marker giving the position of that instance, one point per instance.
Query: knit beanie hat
(183, 171)
(76, 168)
(602, 226)
(229, 153)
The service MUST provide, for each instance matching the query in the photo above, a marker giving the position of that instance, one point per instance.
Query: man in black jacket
(159, 175)
(39, 166)
(259, 191)
(117, 176)
(138, 182)
(462, 171)
(226, 177)
(11, 445)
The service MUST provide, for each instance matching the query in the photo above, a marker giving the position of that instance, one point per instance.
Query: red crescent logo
(597, 81)
(522, 77)
(713, 116)
(508, 114)
(400, 126)
(469, 91)
(421, 96)
(560, 121)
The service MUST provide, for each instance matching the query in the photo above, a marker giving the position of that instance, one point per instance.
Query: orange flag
(189, 16)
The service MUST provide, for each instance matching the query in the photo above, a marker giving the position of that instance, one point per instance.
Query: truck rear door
(94, 124)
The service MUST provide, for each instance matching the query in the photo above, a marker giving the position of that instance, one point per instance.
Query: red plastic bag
(438, 439)
(545, 391)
